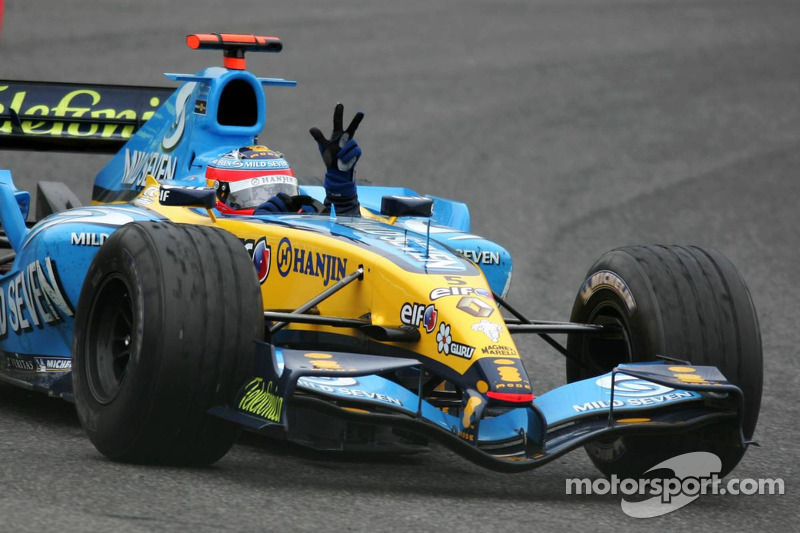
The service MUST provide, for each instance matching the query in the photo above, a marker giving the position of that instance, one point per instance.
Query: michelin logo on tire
(606, 279)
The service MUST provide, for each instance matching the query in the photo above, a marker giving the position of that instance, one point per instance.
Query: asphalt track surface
(569, 126)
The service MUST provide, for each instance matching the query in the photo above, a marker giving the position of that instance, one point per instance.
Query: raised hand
(341, 152)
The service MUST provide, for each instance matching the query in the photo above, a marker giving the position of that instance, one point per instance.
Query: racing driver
(258, 180)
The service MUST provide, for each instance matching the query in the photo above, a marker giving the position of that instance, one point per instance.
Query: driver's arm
(340, 154)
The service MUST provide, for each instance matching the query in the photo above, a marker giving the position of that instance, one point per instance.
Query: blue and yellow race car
(173, 324)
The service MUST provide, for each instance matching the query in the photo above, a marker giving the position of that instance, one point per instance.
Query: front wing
(654, 398)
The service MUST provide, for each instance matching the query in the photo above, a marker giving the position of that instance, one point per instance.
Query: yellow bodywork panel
(467, 324)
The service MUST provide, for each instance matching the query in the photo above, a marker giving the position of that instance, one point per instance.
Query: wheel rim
(602, 352)
(109, 339)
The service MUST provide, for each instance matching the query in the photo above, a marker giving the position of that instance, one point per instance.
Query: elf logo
(415, 314)
(443, 292)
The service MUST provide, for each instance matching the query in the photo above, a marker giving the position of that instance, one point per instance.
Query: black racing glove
(280, 203)
(283, 203)
(340, 154)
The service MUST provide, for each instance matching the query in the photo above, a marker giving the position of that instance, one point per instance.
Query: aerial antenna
(428, 241)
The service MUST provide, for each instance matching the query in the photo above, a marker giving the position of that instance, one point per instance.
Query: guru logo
(447, 346)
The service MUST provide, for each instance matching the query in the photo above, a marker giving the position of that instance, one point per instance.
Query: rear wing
(74, 117)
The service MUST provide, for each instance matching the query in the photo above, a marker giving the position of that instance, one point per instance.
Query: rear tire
(687, 303)
(164, 330)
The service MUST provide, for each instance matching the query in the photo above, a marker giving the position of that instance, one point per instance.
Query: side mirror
(183, 196)
(406, 206)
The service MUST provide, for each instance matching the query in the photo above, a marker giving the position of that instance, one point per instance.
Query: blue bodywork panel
(592, 396)
(14, 207)
(39, 295)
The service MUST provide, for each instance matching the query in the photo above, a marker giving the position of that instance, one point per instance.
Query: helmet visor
(252, 192)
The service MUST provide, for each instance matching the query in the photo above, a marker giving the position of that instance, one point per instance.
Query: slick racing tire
(687, 303)
(165, 329)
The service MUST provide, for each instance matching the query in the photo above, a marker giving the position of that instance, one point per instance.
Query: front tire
(687, 303)
(164, 330)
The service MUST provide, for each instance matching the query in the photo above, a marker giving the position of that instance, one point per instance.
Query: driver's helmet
(249, 176)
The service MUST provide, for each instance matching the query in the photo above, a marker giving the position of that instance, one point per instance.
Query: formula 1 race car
(172, 325)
